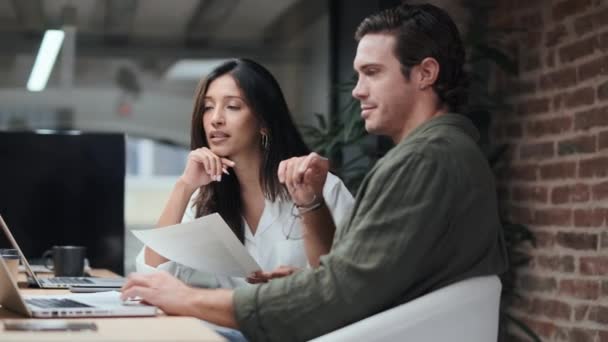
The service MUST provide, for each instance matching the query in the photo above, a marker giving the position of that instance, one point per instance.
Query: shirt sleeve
(402, 207)
(190, 212)
(338, 199)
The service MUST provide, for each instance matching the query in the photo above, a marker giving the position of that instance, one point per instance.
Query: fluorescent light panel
(56, 131)
(49, 49)
(192, 69)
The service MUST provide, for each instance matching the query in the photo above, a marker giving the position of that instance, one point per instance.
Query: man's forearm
(215, 306)
(319, 229)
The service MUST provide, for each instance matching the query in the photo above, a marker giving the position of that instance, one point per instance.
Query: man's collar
(451, 119)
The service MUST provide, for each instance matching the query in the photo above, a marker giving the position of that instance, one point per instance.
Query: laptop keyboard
(68, 280)
(52, 303)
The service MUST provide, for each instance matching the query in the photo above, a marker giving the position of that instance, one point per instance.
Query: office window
(151, 159)
(152, 168)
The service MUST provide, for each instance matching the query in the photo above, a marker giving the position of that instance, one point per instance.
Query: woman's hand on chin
(204, 167)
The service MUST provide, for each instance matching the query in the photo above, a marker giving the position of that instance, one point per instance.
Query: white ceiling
(243, 20)
(161, 29)
(146, 37)
(163, 19)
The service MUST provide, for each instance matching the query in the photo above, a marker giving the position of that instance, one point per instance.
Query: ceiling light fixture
(192, 69)
(49, 49)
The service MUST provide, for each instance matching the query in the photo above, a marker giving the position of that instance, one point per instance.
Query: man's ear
(428, 72)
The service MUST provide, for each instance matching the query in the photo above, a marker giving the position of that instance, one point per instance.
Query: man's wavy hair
(423, 31)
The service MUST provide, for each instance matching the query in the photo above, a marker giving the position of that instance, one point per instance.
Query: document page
(206, 244)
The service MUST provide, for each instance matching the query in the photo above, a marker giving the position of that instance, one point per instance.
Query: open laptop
(61, 282)
(102, 304)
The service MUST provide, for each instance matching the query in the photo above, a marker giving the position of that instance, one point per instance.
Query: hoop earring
(265, 141)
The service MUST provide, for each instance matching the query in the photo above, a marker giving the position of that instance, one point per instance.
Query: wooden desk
(159, 328)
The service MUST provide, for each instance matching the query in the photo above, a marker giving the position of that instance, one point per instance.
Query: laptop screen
(64, 189)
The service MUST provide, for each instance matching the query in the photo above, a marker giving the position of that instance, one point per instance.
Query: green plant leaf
(321, 121)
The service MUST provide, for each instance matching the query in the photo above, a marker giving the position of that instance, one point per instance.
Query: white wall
(155, 115)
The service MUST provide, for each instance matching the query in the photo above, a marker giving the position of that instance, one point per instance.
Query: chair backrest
(466, 311)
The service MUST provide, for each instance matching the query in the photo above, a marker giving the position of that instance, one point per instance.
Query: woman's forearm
(172, 214)
(318, 229)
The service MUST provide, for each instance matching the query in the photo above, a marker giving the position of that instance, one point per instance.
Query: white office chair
(466, 311)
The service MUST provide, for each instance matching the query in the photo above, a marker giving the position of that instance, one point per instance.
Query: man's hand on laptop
(160, 289)
(263, 277)
(176, 298)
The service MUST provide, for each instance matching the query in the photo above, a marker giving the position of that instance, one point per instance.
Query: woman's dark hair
(265, 99)
(423, 31)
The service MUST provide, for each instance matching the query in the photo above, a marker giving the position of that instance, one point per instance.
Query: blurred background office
(128, 66)
(73, 68)
(96, 98)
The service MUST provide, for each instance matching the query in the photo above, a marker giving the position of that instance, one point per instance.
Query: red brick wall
(557, 182)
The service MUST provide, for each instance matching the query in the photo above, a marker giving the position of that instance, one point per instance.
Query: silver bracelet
(314, 204)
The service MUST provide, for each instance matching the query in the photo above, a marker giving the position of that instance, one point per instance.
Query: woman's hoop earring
(265, 141)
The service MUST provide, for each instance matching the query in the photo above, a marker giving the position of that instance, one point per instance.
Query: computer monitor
(65, 188)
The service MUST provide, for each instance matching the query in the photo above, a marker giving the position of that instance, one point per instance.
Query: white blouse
(277, 241)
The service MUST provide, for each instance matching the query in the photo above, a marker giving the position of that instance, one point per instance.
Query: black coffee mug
(68, 261)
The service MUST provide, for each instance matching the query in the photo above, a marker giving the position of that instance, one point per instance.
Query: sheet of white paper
(206, 244)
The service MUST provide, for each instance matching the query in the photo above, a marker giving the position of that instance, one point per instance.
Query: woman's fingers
(292, 171)
(217, 167)
(282, 271)
(226, 163)
(256, 280)
(257, 277)
(304, 164)
(263, 277)
(213, 162)
(315, 164)
(289, 181)
(214, 165)
(201, 158)
(281, 171)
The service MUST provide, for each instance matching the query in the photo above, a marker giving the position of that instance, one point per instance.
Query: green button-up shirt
(425, 216)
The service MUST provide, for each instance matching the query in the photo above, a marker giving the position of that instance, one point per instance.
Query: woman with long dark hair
(241, 130)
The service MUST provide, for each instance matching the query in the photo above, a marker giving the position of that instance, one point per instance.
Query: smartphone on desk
(48, 325)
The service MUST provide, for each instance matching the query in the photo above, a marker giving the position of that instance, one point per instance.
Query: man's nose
(359, 91)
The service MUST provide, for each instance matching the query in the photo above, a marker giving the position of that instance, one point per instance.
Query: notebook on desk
(102, 304)
(60, 282)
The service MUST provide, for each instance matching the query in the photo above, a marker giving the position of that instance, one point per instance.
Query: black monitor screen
(64, 189)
